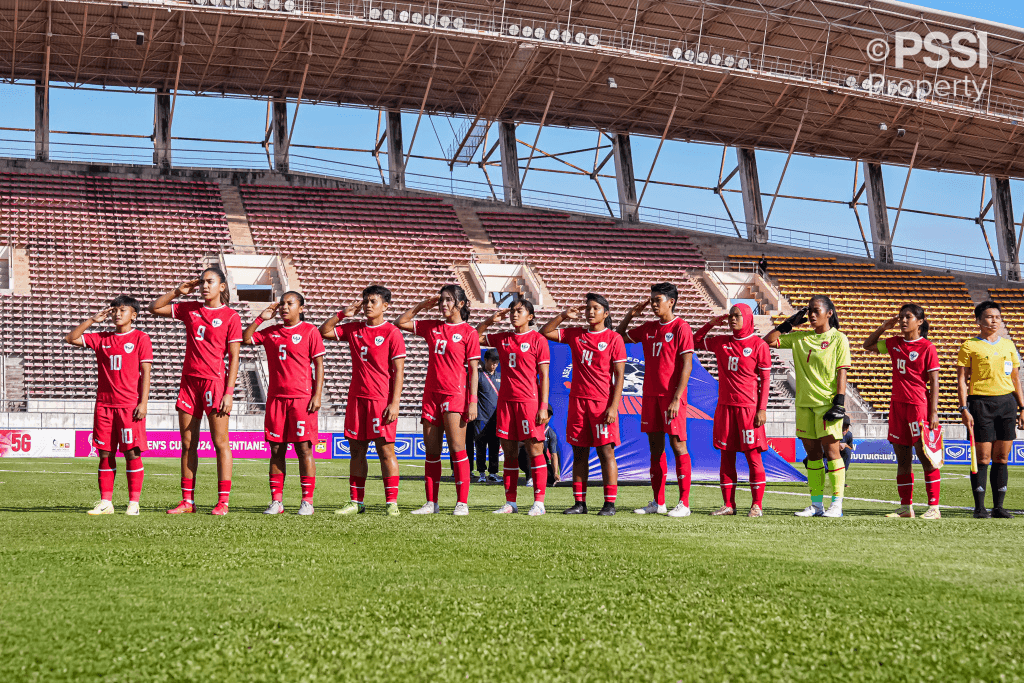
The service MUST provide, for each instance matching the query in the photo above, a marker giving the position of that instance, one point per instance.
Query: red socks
(510, 477)
(462, 474)
(611, 492)
(932, 484)
(905, 487)
(308, 485)
(277, 487)
(188, 490)
(540, 477)
(683, 474)
(356, 487)
(757, 477)
(727, 479)
(105, 475)
(432, 476)
(579, 491)
(135, 472)
(659, 474)
(390, 489)
(223, 491)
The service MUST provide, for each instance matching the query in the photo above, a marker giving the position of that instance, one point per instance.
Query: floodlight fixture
(114, 36)
(611, 82)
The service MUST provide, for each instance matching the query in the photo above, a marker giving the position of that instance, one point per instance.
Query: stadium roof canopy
(768, 74)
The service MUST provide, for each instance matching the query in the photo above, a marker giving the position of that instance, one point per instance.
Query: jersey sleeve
(145, 348)
(931, 361)
(963, 356)
(316, 345)
(181, 311)
(882, 346)
(568, 334)
(1015, 355)
(257, 338)
(346, 330)
(422, 328)
(637, 333)
(494, 339)
(618, 351)
(234, 329)
(843, 353)
(472, 346)
(91, 340)
(543, 350)
(396, 345)
(788, 341)
(686, 344)
(763, 357)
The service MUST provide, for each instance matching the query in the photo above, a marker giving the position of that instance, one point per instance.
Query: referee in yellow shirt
(991, 404)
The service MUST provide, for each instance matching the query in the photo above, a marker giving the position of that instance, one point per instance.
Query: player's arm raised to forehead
(74, 337)
(327, 328)
(405, 321)
(623, 328)
(871, 343)
(550, 329)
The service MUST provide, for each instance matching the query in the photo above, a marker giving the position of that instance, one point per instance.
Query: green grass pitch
(498, 598)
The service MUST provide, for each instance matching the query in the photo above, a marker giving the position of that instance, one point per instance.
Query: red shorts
(654, 417)
(904, 422)
(585, 426)
(199, 394)
(734, 430)
(517, 420)
(364, 420)
(114, 429)
(435, 405)
(287, 421)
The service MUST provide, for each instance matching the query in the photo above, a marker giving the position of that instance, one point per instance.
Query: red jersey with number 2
(593, 354)
(372, 349)
(450, 348)
(208, 331)
(119, 359)
(290, 354)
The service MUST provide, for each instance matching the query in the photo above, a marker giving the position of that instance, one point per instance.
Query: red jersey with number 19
(663, 344)
(450, 348)
(290, 353)
(372, 349)
(911, 363)
(119, 359)
(208, 331)
(521, 356)
(593, 354)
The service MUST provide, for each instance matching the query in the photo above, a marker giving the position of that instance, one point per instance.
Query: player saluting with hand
(598, 370)
(915, 399)
(212, 331)
(293, 397)
(377, 349)
(822, 357)
(124, 358)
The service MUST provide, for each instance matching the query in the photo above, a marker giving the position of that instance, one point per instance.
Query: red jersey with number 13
(450, 348)
(208, 331)
(119, 359)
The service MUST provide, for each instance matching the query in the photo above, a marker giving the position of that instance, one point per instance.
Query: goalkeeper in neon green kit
(821, 356)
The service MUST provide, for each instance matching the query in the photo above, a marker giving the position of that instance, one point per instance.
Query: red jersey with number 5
(208, 331)
(740, 361)
(372, 349)
(593, 354)
(119, 359)
(290, 354)
(521, 356)
(450, 347)
(663, 344)
(911, 363)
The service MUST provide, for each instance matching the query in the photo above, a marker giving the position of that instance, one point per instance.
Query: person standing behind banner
(988, 386)
(485, 433)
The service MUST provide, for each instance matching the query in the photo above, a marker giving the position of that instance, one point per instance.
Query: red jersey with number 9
(208, 331)
(290, 354)
(373, 349)
(119, 358)
(593, 354)
(450, 348)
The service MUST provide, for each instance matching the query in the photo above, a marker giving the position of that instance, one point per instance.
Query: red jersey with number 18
(740, 362)
(521, 356)
(450, 348)
(290, 354)
(663, 344)
(372, 349)
(119, 359)
(593, 354)
(208, 331)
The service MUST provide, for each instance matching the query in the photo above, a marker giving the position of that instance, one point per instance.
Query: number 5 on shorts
(300, 427)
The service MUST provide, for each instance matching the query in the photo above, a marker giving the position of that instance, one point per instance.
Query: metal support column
(1002, 209)
(280, 126)
(396, 153)
(878, 214)
(162, 130)
(42, 122)
(510, 163)
(625, 181)
(750, 186)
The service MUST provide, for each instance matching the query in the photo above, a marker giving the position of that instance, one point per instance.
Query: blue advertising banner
(957, 452)
(407, 447)
(633, 454)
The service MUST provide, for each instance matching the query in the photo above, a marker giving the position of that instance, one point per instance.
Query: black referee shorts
(995, 417)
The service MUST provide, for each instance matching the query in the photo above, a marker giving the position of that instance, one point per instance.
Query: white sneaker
(652, 508)
(537, 510)
(133, 508)
(427, 509)
(507, 509)
(834, 510)
(104, 507)
(305, 508)
(461, 510)
(811, 511)
(276, 507)
(678, 511)
(529, 482)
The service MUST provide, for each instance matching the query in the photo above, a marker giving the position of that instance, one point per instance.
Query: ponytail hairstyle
(834, 321)
(605, 305)
(224, 296)
(461, 300)
(297, 295)
(526, 305)
(918, 313)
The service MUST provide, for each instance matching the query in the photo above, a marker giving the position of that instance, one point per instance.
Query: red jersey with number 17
(740, 362)
(208, 331)
(593, 354)
(119, 359)
(450, 348)
(372, 349)
(911, 363)
(290, 354)
(521, 356)
(663, 344)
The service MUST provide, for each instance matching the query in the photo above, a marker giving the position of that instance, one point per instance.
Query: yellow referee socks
(816, 480)
(837, 476)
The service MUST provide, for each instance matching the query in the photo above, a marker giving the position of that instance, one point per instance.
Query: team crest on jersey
(668, 336)
(296, 338)
(524, 347)
(747, 351)
(824, 345)
(456, 337)
(217, 322)
(913, 356)
(602, 346)
(129, 347)
(377, 341)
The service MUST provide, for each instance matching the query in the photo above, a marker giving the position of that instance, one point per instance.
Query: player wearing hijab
(212, 331)
(744, 367)
(449, 396)
(293, 397)
(822, 357)
(124, 357)
(668, 361)
(522, 411)
(914, 400)
(598, 371)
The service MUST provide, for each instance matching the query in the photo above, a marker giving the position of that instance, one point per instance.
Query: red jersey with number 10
(208, 331)
(593, 354)
(663, 344)
(372, 349)
(521, 356)
(911, 363)
(740, 361)
(119, 359)
(450, 348)
(290, 354)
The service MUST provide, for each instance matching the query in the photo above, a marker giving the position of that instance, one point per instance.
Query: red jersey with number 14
(740, 361)
(450, 348)
(208, 331)
(663, 344)
(119, 359)
(593, 354)
(372, 349)
(911, 363)
(521, 356)
(290, 354)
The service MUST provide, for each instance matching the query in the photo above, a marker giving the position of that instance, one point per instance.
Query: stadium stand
(865, 296)
(1011, 303)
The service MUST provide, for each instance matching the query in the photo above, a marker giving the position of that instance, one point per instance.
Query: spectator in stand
(486, 444)
(762, 266)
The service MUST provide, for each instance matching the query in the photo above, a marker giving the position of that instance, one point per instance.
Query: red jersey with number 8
(208, 331)
(450, 348)
(290, 354)
(593, 354)
(119, 359)
(372, 349)
(521, 355)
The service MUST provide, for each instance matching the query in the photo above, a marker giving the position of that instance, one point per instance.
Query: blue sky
(679, 162)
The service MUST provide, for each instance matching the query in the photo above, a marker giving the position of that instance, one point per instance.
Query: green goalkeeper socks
(816, 480)
(837, 476)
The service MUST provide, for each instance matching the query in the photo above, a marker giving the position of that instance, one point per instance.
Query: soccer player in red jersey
(668, 361)
(293, 397)
(598, 371)
(522, 412)
(371, 412)
(449, 397)
(124, 358)
(915, 399)
(744, 381)
(212, 331)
